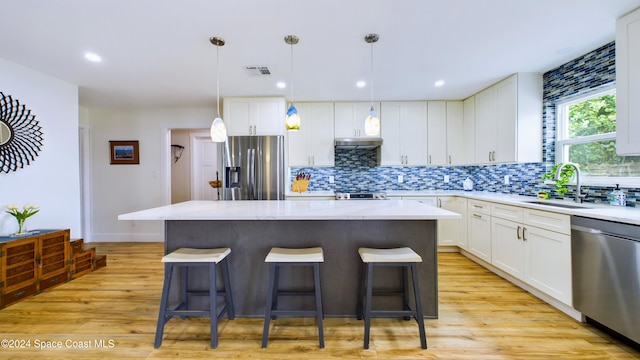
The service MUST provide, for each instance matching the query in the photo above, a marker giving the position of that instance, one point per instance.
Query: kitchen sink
(566, 206)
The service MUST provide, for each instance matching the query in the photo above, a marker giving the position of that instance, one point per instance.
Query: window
(586, 135)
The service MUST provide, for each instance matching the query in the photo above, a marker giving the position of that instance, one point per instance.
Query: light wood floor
(481, 317)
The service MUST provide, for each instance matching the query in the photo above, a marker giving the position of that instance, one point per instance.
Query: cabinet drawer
(76, 246)
(480, 207)
(53, 281)
(84, 262)
(17, 295)
(506, 212)
(101, 261)
(548, 220)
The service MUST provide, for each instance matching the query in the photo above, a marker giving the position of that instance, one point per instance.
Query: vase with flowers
(28, 210)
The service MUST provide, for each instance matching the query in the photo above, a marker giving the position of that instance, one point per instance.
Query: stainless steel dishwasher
(605, 259)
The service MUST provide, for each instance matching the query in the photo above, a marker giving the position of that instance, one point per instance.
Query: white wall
(181, 170)
(52, 179)
(119, 189)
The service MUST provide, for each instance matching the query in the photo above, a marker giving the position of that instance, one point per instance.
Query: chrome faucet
(579, 194)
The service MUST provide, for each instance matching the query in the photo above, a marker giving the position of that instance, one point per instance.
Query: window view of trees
(590, 139)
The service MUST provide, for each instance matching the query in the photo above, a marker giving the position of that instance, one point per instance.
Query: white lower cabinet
(523, 247)
(479, 229)
(453, 232)
(548, 262)
(508, 247)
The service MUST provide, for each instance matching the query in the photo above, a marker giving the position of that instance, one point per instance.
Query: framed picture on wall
(124, 152)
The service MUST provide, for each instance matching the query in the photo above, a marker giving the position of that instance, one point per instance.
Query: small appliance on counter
(377, 195)
(467, 184)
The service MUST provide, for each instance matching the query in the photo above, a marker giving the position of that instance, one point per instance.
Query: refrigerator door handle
(252, 169)
(248, 171)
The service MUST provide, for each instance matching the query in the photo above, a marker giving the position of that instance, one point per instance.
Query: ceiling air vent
(257, 70)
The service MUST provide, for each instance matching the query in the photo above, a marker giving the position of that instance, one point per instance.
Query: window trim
(562, 129)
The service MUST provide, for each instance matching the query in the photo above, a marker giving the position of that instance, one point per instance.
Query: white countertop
(602, 211)
(294, 210)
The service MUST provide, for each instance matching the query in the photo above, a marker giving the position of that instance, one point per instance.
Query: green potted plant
(560, 185)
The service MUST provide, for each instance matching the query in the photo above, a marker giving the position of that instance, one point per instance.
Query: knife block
(299, 186)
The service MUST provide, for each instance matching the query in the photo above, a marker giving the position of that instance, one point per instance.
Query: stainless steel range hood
(357, 143)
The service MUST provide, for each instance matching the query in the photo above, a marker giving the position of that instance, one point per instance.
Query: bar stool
(184, 258)
(400, 257)
(279, 257)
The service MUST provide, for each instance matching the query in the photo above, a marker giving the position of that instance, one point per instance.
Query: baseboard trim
(148, 237)
(575, 314)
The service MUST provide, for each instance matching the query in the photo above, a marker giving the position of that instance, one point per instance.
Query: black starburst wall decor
(20, 135)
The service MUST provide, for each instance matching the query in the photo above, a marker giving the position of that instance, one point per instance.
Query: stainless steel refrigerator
(253, 168)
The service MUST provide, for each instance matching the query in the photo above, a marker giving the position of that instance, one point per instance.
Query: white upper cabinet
(312, 145)
(469, 120)
(508, 120)
(437, 132)
(350, 116)
(456, 142)
(628, 84)
(404, 133)
(254, 116)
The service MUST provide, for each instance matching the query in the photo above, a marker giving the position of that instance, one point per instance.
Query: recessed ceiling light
(92, 57)
(439, 83)
(281, 85)
(361, 84)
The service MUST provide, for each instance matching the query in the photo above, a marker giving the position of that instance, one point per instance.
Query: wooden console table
(40, 260)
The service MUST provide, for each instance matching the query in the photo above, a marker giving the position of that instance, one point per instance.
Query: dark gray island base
(251, 240)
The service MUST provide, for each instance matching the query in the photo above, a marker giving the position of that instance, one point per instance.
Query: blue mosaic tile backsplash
(357, 170)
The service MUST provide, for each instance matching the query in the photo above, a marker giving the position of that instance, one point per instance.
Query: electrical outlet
(507, 181)
(446, 179)
(400, 179)
(331, 179)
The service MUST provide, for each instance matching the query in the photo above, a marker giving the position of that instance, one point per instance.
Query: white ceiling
(157, 52)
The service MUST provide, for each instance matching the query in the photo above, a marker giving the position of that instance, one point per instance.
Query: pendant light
(372, 122)
(218, 127)
(292, 120)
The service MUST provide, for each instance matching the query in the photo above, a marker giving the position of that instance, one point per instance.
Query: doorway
(196, 166)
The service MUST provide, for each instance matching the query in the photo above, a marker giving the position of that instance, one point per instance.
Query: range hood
(357, 143)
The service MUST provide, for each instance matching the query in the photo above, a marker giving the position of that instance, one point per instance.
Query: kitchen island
(251, 228)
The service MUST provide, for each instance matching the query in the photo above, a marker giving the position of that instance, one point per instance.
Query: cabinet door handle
(518, 233)
(478, 206)
(524, 234)
(313, 160)
(19, 294)
(477, 216)
(406, 159)
(449, 159)
(493, 156)
(439, 203)
(429, 159)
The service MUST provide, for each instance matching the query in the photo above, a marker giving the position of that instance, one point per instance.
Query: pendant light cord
(372, 74)
(218, 79)
(291, 73)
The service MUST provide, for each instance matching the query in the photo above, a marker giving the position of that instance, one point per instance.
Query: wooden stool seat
(399, 257)
(197, 255)
(295, 255)
(182, 259)
(404, 254)
(279, 257)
